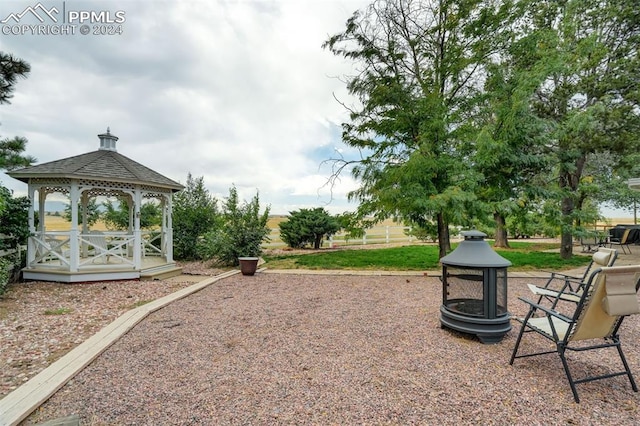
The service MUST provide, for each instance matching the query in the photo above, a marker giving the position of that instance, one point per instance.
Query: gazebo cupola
(82, 254)
(108, 141)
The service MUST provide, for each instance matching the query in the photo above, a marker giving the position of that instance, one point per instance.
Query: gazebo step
(160, 273)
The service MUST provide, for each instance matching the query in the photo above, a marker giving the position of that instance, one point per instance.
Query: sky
(236, 92)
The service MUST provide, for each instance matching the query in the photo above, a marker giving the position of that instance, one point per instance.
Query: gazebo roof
(104, 164)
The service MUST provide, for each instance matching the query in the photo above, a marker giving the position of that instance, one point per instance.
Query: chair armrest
(546, 310)
(542, 291)
(560, 275)
(566, 279)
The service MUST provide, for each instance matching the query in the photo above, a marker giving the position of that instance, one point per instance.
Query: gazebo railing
(50, 247)
(150, 242)
(107, 248)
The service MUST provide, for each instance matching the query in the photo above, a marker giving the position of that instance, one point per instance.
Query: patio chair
(99, 243)
(569, 286)
(609, 295)
(623, 241)
(49, 248)
(589, 243)
(101, 249)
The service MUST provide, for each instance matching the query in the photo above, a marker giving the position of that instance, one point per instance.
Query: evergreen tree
(195, 212)
(308, 226)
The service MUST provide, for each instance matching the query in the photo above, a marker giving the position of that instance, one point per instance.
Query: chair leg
(561, 352)
(522, 329)
(626, 368)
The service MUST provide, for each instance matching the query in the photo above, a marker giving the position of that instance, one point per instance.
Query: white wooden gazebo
(81, 254)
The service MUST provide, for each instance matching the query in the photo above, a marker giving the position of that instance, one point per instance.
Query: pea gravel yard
(323, 349)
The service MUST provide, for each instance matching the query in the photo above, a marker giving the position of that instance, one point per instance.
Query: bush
(5, 272)
(195, 212)
(308, 226)
(241, 233)
(14, 219)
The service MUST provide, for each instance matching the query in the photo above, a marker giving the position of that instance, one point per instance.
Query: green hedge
(5, 271)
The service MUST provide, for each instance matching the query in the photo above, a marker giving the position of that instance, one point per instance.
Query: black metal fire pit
(474, 290)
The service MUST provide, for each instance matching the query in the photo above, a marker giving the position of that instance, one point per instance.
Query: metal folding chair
(609, 295)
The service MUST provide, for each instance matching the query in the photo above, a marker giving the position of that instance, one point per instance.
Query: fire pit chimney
(474, 289)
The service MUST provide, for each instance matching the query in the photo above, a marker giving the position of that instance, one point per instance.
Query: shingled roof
(104, 164)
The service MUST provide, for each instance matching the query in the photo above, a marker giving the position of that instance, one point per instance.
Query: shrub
(195, 212)
(5, 272)
(308, 226)
(14, 219)
(241, 233)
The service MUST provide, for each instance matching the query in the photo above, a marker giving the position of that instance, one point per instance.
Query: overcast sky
(238, 92)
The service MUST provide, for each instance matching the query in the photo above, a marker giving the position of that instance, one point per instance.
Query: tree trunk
(317, 242)
(566, 239)
(443, 236)
(501, 231)
(569, 181)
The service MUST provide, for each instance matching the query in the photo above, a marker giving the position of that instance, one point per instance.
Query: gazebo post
(42, 197)
(168, 234)
(85, 229)
(163, 226)
(31, 247)
(74, 237)
(130, 250)
(137, 240)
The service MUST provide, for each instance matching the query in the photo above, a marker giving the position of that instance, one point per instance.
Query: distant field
(387, 231)
(618, 220)
(57, 223)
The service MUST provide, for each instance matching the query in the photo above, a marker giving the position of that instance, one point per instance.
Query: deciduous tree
(117, 216)
(589, 98)
(419, 70)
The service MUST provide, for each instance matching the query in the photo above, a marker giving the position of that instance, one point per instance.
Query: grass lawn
(523, 256)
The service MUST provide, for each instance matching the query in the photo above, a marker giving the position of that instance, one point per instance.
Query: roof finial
(108, 130)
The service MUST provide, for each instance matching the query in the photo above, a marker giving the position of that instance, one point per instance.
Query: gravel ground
(42, 321)
(302, 349)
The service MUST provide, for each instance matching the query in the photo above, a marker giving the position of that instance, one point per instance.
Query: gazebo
(82, 254)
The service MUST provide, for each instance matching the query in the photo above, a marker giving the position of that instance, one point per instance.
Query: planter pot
(248, 265)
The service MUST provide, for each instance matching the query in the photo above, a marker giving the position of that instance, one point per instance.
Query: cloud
(239, 92)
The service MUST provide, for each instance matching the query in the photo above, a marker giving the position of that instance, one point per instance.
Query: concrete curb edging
(17, 405)
(391, 273)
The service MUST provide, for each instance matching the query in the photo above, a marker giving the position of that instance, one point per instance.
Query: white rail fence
(14, 251)
(376, 235)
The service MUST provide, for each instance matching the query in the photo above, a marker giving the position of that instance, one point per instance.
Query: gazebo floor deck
(152, 267)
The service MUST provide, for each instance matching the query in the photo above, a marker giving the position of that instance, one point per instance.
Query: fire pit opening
(474, 290)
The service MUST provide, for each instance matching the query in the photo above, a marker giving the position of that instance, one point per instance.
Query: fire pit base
(488, 330)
